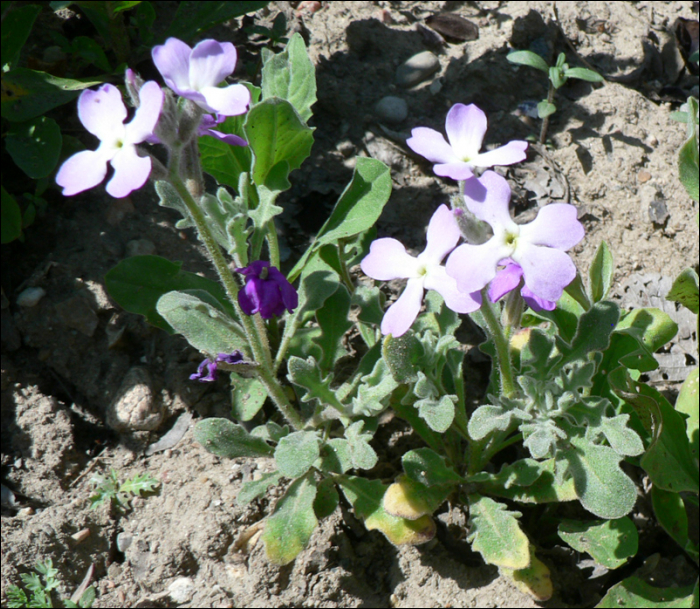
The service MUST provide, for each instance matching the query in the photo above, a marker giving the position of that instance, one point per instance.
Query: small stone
(391, 109)
(181, 590)
(643, 176)
(30, 297)
(77, 314)
(416, 69)
(81, 535)
(140, 247)
(124, 541)
(135, 408)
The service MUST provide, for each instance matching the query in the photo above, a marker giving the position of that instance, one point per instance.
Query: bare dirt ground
(612, 152)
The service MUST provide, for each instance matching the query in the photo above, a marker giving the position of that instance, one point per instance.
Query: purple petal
(465, 126)
(506, 279)
(443, 235)
(446, 286)
(556, 225)
(388, 259)
(173, 62)
(400, 316)
(227, 138)
(473, 266)
(130, 172)
(254, 268)
(230, 358)
(210, 63)
(493, 208)
(512, 152)
(229, 101)
(431, 145)
(290, 298)
(457, 170)
(249, 296)
(211, 372)
(102, 112)
(547, 270)
(151, 98)
(535, 302)
(82, 171)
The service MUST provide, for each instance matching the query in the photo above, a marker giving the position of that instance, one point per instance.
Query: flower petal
(81, 172)
(446, 286)
(488, 199)
(535, 302)
(151, 98)
(210, 63)
(457, 170)
(431, 145)
(556, 225)
(102, 112)
(290, 298)
(173, 62)
(400, 316)
(547, 270)
(388, 259)
(443, 235)
(473, 266)
(130, 172)
(229, 101)
(465, 126)
(506, 279)
(512, 152)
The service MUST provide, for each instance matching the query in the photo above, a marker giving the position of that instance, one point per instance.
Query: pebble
(31, 297)
(76, 313)
(181, 590)
(416, 69)
(391, 109)
(135, 408)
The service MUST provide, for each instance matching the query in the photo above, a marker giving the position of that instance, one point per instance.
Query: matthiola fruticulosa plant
(564, 358)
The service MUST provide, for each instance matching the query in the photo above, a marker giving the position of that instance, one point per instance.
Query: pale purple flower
(195, 73)
(388, 259)
(102, 113)
(509, 278)
(465, 126)
(538, 247)
(209, 121)
(266, 291)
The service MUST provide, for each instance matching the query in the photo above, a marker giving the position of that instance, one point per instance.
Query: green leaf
(593, 332)
(296, 453)
(291, 75)
(366, 498)
(247, 396)
(307, 375)
(89, 50)
(688, 167)
(438, 413)
(226, 439)
(528, 58)
(138, 282)
(402, 355)
(609, 542)
(17, 23)
(651, 329)
(412, 500)
(685, 290)
(584, 74)
(496, 533)
(28, 94)
(671, 514)
(557, 77)
(256, 488)
(600, 273)
(353, 451)
(489, 418)
(334, 323)
(545, 109)
(601, 485)
(429, 468)
(357, 210)
(687, 403)
(193, 17)
(289, 528)
(374, 386)
(11, 217)
(279, 140)
(634, 592)
(35, 146)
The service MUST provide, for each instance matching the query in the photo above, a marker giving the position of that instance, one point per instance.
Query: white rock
(30, 297)
(181, 589)
(391, 109)
(416, 69)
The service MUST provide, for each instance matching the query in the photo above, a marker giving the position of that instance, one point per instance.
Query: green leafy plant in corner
(108, 488)
(39, 585)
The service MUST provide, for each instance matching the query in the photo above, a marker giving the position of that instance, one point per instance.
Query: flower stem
(545, 120)
(254, 328)
(501, 342)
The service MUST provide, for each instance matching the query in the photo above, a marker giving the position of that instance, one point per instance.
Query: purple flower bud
(266, 291)
(227, 358)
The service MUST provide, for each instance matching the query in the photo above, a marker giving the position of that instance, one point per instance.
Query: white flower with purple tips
(465, 127)
(538, 248)
(388, 259)
(102, 113)
(195, 73)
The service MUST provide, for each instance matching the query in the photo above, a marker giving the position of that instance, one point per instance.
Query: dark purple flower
(266, 291)
(211, 366)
